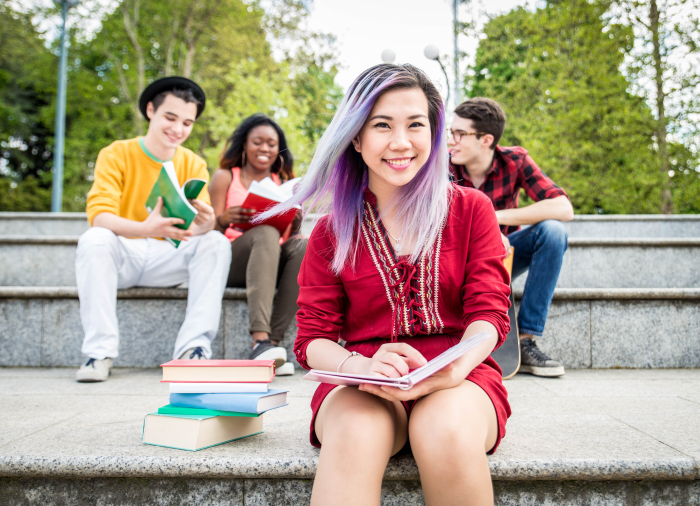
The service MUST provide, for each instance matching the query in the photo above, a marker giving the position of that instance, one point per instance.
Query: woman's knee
(265, 236)
(458, 421)
(357, 418)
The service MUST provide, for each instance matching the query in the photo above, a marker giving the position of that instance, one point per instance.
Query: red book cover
(262, 204)
(219, 363)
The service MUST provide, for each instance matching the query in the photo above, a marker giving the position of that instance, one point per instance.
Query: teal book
(240, 403)
(175, 198)
(174, 410)
(197, 432)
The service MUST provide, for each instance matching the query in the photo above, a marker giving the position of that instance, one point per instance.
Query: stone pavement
(591, 437)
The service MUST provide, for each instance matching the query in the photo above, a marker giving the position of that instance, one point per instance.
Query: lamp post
(388, 56)
(455, 60)
(432, 52)
(59, 136)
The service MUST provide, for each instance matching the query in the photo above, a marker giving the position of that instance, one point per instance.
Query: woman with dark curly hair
(262, 259)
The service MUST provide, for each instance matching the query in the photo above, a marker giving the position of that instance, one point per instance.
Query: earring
(243, 159)
(281, 160)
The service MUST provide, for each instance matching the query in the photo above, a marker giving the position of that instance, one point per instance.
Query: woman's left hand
(449, 377)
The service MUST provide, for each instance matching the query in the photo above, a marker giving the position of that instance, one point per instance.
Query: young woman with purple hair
(403, 267)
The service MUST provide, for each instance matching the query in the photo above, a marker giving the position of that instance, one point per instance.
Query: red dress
(428, 305)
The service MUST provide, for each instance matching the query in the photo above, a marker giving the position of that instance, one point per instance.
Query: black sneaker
(533, 361)
(265, 350)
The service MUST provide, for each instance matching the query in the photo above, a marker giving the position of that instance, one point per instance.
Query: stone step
(583, 225)
(613, 328)
(620, 438)
(588, 263)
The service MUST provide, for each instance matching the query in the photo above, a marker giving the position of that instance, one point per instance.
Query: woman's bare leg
(359, 432)
(451, 431)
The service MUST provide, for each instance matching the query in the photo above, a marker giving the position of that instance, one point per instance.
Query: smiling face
(395, 141)
(261, 147)
(171, 124)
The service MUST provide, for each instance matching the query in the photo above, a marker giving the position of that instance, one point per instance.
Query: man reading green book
(124, 246)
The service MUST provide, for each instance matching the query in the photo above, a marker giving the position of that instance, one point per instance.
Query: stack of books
(213, 402)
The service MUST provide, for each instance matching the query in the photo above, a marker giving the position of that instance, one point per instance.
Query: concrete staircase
(639, 275)
(628, 298)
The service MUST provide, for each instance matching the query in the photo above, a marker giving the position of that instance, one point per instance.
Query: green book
(174, 410)
(197, 432)
(175, 198)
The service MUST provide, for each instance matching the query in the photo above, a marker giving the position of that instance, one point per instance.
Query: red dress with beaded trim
(428, 305)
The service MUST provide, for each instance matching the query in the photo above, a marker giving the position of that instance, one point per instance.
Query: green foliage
(25, 141)
(556, 74)
(224, 45)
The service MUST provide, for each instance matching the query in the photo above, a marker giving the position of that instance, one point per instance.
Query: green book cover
(192, 417)
(175, 198)
(173, 410)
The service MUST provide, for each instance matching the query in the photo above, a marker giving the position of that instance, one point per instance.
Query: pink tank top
(236, 196)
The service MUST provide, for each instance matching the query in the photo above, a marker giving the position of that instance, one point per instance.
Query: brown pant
(259, 264)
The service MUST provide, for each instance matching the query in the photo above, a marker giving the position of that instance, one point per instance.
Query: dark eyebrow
(380, 116)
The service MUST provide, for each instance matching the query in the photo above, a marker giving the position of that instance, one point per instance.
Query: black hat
(169, 84)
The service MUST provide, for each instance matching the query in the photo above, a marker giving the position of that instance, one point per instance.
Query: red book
(218, 371)
(265, 194)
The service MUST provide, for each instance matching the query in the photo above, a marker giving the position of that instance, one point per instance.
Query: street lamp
(431, 52)
(388, 56)
(59, 136)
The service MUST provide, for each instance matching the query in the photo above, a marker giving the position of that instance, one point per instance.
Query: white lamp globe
(431, 52)
(388, 56)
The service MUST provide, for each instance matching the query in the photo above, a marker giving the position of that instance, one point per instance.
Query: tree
(556, 73)
(227, 46)
(25, 141)
(665, 68)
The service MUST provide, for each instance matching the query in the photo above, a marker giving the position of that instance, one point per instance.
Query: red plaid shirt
(511, 170)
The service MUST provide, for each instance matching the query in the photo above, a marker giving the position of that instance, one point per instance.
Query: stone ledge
(647, 242)
(71, 292)
(578, 217)
(402, 468)
(43, 216)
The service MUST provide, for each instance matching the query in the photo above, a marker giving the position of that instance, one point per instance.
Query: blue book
(241, 403)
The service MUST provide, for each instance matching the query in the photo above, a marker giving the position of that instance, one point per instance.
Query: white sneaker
(265, 350)
(94, 370)
(193, 354)
(286, 369)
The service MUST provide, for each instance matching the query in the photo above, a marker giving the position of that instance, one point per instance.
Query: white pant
(106, 262)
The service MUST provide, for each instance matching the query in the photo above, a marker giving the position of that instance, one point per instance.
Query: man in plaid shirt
(479, 162)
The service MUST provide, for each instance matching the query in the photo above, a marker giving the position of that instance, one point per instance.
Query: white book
(269, 190)
(217, 388)
(404, 382)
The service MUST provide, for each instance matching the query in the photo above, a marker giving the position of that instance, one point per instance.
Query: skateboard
(508, 355)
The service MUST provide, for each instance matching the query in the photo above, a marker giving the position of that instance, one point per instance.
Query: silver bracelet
(352, 354)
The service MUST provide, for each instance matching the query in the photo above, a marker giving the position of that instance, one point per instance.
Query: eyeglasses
(457, 136)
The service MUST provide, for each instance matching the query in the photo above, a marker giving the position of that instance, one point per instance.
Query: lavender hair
(337, 176)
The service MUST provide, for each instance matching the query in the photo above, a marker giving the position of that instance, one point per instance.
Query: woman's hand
(394, 360)
(234, 215)
(449, 377)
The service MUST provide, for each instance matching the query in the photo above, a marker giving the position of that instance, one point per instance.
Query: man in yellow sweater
(124, 246)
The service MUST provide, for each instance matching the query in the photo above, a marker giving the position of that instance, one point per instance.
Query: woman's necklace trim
(397, 246)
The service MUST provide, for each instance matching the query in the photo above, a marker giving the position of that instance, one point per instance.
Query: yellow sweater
(125, 175)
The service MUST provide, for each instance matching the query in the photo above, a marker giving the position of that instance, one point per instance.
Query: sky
(364, 28)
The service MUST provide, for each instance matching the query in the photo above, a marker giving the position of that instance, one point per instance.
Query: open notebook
(404, 382)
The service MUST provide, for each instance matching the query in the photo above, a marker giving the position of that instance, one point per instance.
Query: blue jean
(539, 248)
